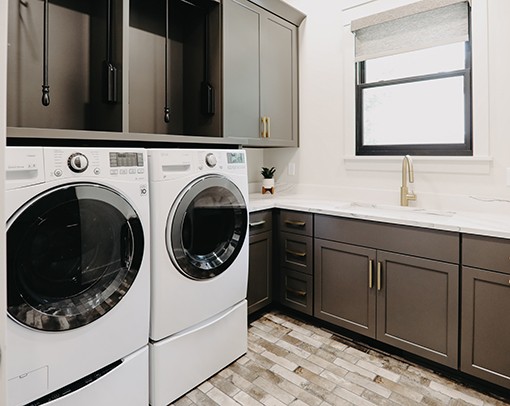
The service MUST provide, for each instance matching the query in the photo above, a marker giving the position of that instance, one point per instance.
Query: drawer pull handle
(301, 293)
(295, 223)
(379, 266)
(370, 272)
(258, 223)
(296, 253)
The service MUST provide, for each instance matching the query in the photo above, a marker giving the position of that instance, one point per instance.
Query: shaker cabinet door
(345, 292)
(486, 325)
(417, 306)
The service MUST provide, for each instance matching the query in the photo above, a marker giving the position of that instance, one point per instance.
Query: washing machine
(199, 257)
(78, 269)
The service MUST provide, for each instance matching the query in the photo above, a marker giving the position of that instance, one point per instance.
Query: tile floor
(293, 363)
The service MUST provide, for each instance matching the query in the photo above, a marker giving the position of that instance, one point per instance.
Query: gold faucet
(407, 168)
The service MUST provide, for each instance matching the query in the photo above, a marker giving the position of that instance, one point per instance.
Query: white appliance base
(183, 361)
(126, 385)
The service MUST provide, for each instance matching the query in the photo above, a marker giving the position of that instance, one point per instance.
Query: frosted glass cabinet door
(260, 76)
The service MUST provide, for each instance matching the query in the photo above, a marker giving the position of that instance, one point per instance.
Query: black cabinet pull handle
(296, 292)
(167, 29)
(45, 86)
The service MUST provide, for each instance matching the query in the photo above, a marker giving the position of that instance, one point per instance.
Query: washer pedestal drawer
(184, 360)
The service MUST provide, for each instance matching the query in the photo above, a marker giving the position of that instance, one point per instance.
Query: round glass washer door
(72, 254)
(207, 227)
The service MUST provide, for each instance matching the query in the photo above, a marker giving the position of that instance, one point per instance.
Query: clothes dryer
(78, 264)
(199, 257)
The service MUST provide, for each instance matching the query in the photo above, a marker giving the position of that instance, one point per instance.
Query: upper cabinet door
(241, 39)
(278, 64)
(260, 76)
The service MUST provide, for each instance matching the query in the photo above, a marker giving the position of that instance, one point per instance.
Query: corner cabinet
(260, 273)
(260, 65)
(396, 284)
(485, 334)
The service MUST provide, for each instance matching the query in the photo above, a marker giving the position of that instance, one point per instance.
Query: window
(413, 81)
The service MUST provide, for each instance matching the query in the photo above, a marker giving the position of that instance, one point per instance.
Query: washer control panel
(95, 162)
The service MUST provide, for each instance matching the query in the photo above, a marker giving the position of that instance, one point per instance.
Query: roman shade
(419, 25)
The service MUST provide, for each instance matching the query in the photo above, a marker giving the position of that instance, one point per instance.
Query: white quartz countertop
(464, 222)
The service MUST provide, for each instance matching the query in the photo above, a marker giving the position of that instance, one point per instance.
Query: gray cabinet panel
(486, 252)
(417, 306)
(344, 290)
(278, 77)
(241, 69)
(260, 271)
(260, 76)
(486, 325)
(433, 244)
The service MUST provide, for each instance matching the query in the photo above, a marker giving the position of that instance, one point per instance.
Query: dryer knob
(78, 162)
(210, 160)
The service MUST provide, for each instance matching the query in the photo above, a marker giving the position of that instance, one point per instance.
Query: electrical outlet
(292, 169)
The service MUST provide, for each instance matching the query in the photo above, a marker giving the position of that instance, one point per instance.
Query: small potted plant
(268, 182)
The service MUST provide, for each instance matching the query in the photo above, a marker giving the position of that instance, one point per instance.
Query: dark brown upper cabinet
(75, 49)
(174, 67)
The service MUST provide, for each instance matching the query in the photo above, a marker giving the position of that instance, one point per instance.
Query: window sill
(425, 164)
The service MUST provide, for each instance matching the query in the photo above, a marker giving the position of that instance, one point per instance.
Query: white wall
(320, 165)
(3, 95)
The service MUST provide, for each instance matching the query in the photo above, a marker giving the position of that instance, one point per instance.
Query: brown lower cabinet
(396, 284)
(406, 301)
(485, 337)
(260, 273)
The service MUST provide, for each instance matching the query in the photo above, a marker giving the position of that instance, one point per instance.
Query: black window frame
(464, 149)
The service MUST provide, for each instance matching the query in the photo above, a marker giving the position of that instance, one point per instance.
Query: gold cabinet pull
(296, 253)
(295, 223)
(301, 293)
(264, 127)
(370, 272)
(258, 223)
(268, 133)
(379, 266)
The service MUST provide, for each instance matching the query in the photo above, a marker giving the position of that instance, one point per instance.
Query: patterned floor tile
(292, 363)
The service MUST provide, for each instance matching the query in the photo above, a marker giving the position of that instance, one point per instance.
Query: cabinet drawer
(296, 252)
(296, 222)
(296, 291)
(261, 221)
(420, 242)
(486, 252)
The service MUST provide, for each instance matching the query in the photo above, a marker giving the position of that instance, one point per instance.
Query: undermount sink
(394, 211)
